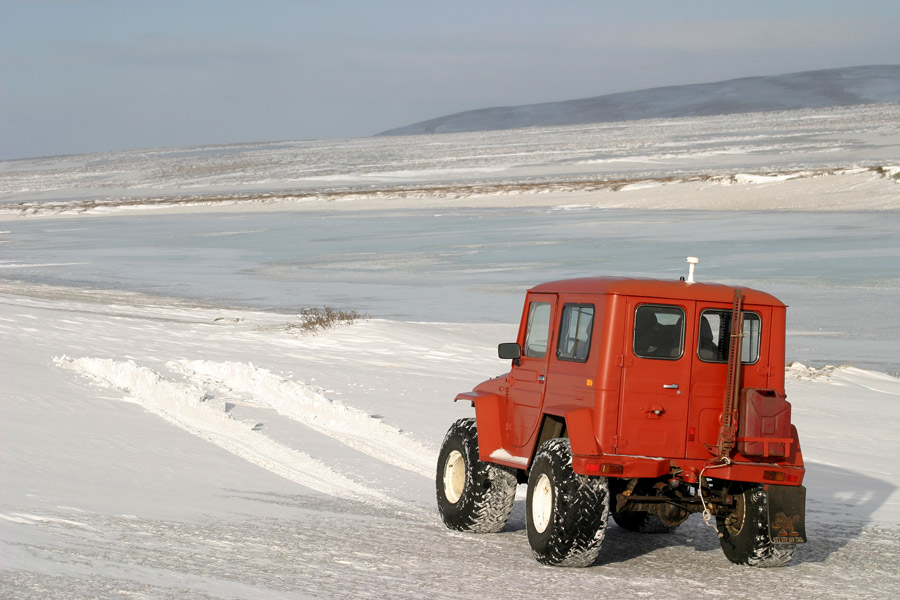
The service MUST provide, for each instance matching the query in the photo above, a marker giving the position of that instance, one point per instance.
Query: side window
(538, 331)
(575, 332)
(659, 331)
(715, 335)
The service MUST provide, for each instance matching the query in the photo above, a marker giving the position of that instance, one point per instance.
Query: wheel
(744, 534)
(472, 495)
(642, 521)
(566, 513)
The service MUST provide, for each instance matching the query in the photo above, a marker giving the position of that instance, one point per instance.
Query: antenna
(692, 261)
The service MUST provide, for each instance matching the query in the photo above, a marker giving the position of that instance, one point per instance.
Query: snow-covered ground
(168, 433)
(586, 163)
(169, 450)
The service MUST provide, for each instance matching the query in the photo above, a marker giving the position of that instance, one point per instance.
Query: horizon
(91, 77)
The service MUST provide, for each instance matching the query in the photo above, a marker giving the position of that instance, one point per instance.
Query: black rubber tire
(566, 514)
(744, 535)
(480, 497)
(642, 522)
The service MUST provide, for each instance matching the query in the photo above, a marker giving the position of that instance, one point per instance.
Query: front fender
(490, 419)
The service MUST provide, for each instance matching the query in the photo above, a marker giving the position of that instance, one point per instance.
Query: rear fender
(580, 428)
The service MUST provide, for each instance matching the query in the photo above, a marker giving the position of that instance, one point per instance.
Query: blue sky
(98, 75)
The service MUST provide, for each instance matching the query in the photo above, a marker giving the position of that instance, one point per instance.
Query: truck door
(709, 371)
(656, 364)
(528, 379)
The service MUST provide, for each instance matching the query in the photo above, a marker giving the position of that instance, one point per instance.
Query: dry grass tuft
(315, 320)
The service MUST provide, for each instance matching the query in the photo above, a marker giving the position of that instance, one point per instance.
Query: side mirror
(510, 351)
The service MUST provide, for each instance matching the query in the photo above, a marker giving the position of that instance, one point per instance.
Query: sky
(86, 76)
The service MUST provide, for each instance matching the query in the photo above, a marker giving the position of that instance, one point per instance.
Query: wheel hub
(735, 521)
(542, 503)
(454, 476)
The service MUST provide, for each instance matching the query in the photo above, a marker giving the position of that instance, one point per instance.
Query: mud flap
(787, 514)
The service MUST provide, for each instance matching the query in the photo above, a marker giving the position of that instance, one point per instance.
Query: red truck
(642, 399)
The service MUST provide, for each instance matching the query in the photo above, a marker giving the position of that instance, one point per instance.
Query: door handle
(540, 377)
(670, 386)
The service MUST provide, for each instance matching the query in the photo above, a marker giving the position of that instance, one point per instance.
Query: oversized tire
(642, 522)
(744, 534)
(566, 514)
(472, 495)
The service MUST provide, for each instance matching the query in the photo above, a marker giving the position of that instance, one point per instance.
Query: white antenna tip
(692, 262)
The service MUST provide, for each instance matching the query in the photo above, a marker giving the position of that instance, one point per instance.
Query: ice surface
(837, 271)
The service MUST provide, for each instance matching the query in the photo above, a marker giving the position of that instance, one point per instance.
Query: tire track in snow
(304, 404)
(181, 405)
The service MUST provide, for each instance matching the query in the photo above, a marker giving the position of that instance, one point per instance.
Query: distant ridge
(808, 89)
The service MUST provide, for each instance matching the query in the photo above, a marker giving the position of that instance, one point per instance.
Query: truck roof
(656, 288)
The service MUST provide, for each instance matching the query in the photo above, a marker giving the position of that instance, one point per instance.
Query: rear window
(659, 332)
(715, 333)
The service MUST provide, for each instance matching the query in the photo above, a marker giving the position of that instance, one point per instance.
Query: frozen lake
(839, 272)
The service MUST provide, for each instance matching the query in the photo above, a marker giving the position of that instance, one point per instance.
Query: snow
(502, 455)
(167, 433)
(185, 406)
(691, 156)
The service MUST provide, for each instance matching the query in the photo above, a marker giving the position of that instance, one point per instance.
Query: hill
(809, 89)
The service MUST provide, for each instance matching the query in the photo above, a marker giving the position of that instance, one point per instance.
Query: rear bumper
(690, 470)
